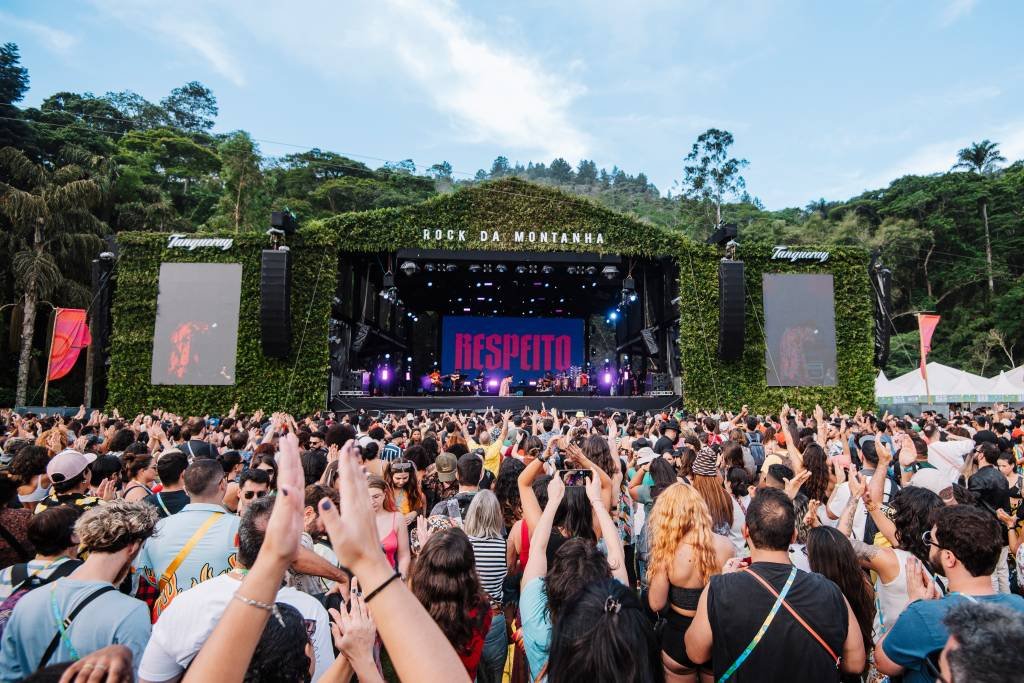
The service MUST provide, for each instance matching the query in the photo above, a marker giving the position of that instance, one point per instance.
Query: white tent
(880, 383)
(945, 385)
(1016, 375)
(1004, 389)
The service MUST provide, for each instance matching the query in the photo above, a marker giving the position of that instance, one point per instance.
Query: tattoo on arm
(863, 551)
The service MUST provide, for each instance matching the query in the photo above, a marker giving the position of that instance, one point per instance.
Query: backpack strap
(166, 578)
(66, 623)
(799, 619)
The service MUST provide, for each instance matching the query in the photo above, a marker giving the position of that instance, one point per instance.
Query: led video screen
(800, 330)
(525, 348)
(196, 335)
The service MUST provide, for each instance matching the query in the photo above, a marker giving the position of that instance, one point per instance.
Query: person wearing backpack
(84, 612)
(51, 533)
(754, 443)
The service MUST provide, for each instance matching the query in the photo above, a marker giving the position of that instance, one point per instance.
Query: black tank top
(737, 607)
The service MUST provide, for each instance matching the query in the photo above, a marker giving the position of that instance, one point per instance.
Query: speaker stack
(731, 310)
(275, 303)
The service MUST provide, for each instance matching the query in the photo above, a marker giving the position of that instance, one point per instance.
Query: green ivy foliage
(297, 384)
(506, 206)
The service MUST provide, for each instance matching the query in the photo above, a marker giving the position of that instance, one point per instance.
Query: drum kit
(572, 380)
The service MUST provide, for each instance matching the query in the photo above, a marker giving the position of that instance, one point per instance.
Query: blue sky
(825, 99)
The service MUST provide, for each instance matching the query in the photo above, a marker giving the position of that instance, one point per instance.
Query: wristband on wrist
(372, 594)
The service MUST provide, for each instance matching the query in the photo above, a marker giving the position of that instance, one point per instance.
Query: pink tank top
(389, 544)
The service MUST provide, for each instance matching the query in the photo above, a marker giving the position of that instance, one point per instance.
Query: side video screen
(800, 330)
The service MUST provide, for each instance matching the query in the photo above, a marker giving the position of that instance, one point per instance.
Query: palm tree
(52, 230)
(979, 157)
(982, 158)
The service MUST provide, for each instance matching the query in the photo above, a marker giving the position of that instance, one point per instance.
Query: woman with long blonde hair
(684, 554)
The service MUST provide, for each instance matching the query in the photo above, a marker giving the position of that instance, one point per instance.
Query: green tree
(982, 158)
(51, 224)
(191, 107)
(13, 86)
(500, 167)
(586, 172)
(242, 201)
(710, 175)
(441, 171)
(560, 171)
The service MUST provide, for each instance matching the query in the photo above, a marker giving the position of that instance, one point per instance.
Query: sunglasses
(248, 495)
(929, 539)
(402, 467)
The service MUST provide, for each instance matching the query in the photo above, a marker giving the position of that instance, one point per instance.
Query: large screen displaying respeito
(525, 348)
(800, 330)
(196, 335)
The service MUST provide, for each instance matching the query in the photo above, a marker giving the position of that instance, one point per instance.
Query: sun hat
(645, 456)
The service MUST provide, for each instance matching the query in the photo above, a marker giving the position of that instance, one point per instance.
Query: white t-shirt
(948, 456)
(188, 622)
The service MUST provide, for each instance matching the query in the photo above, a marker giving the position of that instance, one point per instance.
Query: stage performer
(505, 388)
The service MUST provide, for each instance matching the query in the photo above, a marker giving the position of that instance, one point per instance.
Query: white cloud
(955, 10)
(178, 25)
(55, 39)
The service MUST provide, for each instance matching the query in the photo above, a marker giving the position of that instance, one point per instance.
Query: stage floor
(441, 404)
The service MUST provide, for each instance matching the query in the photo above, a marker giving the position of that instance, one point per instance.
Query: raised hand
(353, 629)
(858, 484)
(284, 529)
(353, 534)
(811, 518)
(792, 486)
(919, 583)
(556, 490)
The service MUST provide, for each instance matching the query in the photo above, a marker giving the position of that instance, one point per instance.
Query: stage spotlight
(475, 268)
(521, 269)
(387, 356)
(501, 268)
(614, 315)
(451, 267)
(389, 280)
(592, 270)
(429, 267)
(409, 268)
(547, 270)
(571, 270)
(610, 272)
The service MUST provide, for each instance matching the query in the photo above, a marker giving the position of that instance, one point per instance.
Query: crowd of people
(512, 546)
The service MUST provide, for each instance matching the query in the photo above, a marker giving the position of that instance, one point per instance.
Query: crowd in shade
(516, 546)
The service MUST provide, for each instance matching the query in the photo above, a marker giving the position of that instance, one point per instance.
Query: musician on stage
(505, 388)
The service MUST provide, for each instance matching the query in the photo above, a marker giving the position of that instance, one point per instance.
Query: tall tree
(500, 167)
(586, 172)
(191, 107)
(13, 86)
(51, 219)
(709, 174)
(561, 171)
(441, 171)
(243, 181)
(982, 158)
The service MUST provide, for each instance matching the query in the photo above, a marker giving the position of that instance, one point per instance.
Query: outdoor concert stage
(568, 404)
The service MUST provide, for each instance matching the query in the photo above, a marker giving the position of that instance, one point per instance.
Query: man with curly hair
(84, 611)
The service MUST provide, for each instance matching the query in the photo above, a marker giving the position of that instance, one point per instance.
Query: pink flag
(70, 335)
(926, 324)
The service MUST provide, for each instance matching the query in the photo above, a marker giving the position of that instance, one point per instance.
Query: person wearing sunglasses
(404, 489)
(964, 544)
(252, 485)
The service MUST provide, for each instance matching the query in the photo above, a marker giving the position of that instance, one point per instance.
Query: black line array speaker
(731, 310)
(275, 303)
(647, 334)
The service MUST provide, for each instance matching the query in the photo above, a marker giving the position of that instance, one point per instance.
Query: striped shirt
(391, 452)
(490, 564)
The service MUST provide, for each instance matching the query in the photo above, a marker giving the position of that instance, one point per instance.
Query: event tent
(945, 385)
(1004, 389)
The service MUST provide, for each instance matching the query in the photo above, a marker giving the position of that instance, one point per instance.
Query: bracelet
(372, 594)
(270, 607)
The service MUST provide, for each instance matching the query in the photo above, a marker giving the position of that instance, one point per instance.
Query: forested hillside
(81, 166)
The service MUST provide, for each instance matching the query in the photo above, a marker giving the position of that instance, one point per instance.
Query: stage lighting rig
(628, 290)
(592, 270)
(389, 292)
(610, 272)
(451, 267)
(475, 268)
(409, 268)
(501, 268)
(429, 268)
(521, 269)
(547, 270)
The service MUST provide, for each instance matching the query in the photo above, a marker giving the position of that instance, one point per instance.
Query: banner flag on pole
(70, 335)
(926, 324)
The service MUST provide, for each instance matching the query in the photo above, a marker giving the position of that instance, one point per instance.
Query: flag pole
(49, 356)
